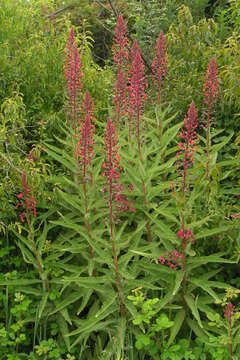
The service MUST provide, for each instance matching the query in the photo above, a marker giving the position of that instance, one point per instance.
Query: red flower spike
(211, 85)
(137, 79)
(27, 200)
(137, 93)
(120, 57)
(73, 75)
(120, 47)
(211, 91)
(229, 311)
(21, 217)
(160, 63)
(84, 150)
(187, 146)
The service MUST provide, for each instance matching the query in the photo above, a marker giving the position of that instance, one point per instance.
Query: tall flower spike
(73, 75)
(84, 151)
(137, 93)
(27, 203)
(187, 145)
(211, 91)
(120, 50)
(160, 64)
(84, 155)
(120, 57)
(26, 200)
(211, 85)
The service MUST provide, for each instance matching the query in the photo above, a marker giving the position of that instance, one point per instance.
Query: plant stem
(87, 223)
(230, 339)
(143, 182)
(146, 216)
(114, 252)
(208, 139)
(115, 259)
(40, 268)
(138, 134)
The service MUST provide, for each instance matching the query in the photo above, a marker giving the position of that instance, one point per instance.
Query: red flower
(137, 93)
(187, 146)
(137, 79)
(84, 150)
(120, 50)
(211, 85)
(73, 74)
(26, 200)
(185, 235)
(120, 57)
(229, 311)
(160, 64)
(211, 90)
(111, 164)
(173, 259)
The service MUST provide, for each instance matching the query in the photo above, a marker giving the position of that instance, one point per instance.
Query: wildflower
(120, 57)
(160, 64)
(211, 85)
(172, 259)
(185, 235)
(120, 47)
(26, 200)
(161, 260)
(137, 93)
(84, 151)
(73, 75)
(30, 156)
(187, 145)
(229, 311)
(211, 91)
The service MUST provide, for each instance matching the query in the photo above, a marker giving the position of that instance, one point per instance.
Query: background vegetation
(59, 302)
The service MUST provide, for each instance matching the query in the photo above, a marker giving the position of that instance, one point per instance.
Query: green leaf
(192, 305)
(70, 299)
(178, 281)
(162, 323)
(204, 284)
(196, 329)
(210, 232)
(178, 321)
(203, 260)
(42, 304)
(63, 326)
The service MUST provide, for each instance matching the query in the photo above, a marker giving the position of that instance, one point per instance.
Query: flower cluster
(26, 200)
(111, 170)
(136, 90)
(137, 80)
(229, 311)
(120, 57)
(120, 47)
(189, 137)
(73, 74)
(111, 165)
(173, 259)
(185, 235)
(160, 62)
(84, 150)
(211, 85)
(122, 202)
